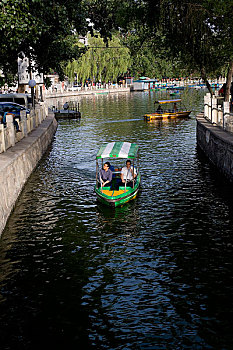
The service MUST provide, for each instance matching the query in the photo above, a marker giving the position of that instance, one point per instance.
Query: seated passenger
(106, 175)
(159, 109)
(127, 174)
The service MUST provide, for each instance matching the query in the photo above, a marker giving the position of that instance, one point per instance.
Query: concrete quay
(18, 162)
(217, 144)
(87, 91)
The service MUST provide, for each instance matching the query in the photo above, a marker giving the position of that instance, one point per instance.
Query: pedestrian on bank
(66, 105)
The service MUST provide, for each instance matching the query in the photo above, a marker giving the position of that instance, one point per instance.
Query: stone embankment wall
(86, 91)
(217, 144)
(18, 162)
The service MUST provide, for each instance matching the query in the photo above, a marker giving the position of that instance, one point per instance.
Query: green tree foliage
(200, 30)
(42, 30)
(100, 62)
(151, 58)
(197, 31)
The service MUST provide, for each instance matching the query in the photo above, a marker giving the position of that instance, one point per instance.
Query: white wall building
(24, 74)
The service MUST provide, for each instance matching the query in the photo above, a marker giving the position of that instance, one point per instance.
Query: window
(20, 101)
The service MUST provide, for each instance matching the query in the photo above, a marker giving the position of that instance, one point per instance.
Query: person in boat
(128, 174)
(159, 109)
(106, 175)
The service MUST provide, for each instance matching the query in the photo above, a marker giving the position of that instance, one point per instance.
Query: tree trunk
(21, 88)
(229, 79)
(204, 77)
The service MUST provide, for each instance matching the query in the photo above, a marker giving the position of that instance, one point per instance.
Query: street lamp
(32, 84)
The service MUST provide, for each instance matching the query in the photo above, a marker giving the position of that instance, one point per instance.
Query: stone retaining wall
(18, 162)
(217, 144)
(86, 91)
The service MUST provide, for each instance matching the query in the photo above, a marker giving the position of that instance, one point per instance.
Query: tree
(151, 58)
(100, 62)
(194, 29)
(42, 30)
(198, 31)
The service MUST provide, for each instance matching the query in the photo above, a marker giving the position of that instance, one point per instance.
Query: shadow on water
(217, 180)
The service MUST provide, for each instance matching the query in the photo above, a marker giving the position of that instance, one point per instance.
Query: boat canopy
(118, 150)
(168, 101)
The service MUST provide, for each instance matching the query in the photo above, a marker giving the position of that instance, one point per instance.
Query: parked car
(15, 108)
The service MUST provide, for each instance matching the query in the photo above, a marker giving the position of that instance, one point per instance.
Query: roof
(168, 101)
(118, 150)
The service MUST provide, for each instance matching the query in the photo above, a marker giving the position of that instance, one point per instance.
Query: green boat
(117, 195)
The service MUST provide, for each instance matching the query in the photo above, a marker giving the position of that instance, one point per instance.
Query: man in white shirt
(128, 173)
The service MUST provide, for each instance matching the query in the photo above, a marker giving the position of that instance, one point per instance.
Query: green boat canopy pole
(97, 165)
(133, 173)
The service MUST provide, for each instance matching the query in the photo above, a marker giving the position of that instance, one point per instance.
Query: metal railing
(218, 112)
(98, 87)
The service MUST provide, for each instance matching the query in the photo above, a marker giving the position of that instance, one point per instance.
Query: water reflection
(155, 273)
(125, 217)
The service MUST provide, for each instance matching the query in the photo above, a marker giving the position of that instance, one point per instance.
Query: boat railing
(116, 174)
(169, 110)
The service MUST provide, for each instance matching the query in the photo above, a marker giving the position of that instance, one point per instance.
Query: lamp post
(32, 84)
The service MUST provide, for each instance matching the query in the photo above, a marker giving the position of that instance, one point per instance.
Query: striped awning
(118, 150)
(168, 101)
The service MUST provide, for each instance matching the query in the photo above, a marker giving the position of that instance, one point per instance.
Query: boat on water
(175, 93)
(67, 114)
(118, 194)
(99, 92)
(166, 113)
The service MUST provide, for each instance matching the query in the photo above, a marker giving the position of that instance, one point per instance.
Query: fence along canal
(27, 123)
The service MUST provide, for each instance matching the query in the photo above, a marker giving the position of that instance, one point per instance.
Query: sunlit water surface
(154, 274)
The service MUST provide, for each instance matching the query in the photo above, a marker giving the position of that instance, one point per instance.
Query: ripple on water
(154, 274)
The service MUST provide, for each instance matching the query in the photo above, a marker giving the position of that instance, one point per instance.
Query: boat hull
(115, 198)
(167, 115)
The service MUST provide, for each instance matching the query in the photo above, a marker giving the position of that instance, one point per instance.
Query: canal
(154, 274)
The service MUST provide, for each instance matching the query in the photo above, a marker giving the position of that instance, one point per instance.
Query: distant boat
(176, 88)
(162, 113)
(101, 92)
(67, 114)
(174, 93)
